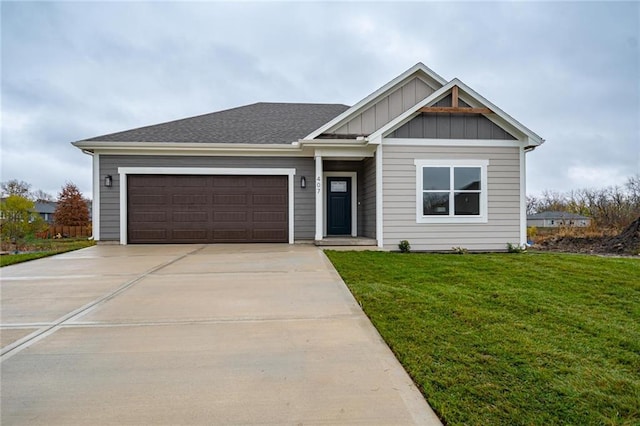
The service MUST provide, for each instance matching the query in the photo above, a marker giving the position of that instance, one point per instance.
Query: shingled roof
(260, 123)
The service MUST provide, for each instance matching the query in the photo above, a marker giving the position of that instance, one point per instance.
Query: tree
(40, 195)
(19, 219)
(72, 208)
(16, 187)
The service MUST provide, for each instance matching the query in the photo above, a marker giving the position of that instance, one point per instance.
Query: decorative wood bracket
(455, 108)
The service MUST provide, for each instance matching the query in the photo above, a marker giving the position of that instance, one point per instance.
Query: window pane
(435, 178)
(466, 178)
(435, 203)
(467, 203)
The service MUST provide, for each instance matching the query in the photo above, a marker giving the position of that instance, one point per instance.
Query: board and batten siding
(399, 198)
(385, 109)
(304, 199)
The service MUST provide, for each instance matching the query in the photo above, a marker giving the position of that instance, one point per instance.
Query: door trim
(354, 200)
(124, 171)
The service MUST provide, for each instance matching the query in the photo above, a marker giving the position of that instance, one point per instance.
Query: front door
(338, 206)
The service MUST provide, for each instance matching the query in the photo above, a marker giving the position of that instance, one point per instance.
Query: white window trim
(354, 200)
(124, 171)
(483, 218)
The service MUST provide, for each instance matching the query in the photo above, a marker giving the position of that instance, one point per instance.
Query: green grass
(507, 339)
(45, 248)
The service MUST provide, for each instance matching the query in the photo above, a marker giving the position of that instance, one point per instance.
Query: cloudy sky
(74, 70)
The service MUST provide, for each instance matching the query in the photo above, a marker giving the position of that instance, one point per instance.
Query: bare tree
(16, 187)
(40, 195)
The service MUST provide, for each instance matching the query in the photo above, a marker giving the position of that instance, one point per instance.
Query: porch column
(319, 200)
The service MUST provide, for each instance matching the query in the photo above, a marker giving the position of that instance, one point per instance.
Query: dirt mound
(627, 242)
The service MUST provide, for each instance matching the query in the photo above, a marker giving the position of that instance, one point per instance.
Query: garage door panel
(231, 181)
(268, 199)
(199, 199)
(179, 217)
(190, 181)
(230, 235)
(148, 235)
(230, 216)
(189, 234)
(271, 216)
(207, 209)
(266, 235)
(230, 199)
(148, 199)
(149, 217)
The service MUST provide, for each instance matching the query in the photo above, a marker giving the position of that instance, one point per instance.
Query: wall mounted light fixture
(303, 182)
(108, 181)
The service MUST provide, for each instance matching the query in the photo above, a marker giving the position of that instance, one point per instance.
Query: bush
(404, 246)
(516, 248)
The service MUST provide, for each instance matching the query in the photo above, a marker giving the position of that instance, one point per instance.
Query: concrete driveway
(194, 334)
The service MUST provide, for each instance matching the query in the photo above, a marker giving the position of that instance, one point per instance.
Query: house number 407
(318, 184)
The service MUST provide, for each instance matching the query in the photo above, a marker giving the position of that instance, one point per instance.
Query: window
(451, 191)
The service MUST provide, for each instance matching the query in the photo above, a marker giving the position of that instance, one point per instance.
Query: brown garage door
(207, 209)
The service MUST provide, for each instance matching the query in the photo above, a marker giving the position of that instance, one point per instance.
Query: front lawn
(45, 248)
(492, 339)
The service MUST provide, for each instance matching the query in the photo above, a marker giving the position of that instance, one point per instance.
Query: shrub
(516, 248)
(404, 246)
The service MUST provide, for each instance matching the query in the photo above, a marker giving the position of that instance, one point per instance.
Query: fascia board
(178, 146)
(333, 143)
(357, 107)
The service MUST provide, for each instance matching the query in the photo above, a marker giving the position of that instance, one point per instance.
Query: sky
(570, 71)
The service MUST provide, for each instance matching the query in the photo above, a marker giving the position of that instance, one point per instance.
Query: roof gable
(383, 105)
(450, 125)
(470, 98)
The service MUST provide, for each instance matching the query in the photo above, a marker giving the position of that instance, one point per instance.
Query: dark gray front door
(338, 206)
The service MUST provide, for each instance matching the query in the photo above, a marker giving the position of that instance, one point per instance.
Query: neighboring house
(421, 158)
(556, 219)
(46, 209)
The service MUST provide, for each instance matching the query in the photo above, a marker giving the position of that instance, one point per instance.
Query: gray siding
(451, 126)
(399, 197)
(385, 109)
(304, 199)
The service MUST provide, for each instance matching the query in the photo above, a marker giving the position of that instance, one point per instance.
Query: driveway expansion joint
(23, 343)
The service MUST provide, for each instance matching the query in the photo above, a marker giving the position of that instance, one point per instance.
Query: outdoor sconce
(108, 181)
(303, 182)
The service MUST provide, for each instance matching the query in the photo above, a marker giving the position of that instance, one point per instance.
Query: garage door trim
(124, 171)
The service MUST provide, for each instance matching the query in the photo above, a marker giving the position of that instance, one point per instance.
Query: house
(46, 209)
(556, 219)
(421, 159)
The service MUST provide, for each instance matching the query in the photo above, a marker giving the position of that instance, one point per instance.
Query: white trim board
(95, 203)
(354, 200)
(379, 201)
(453, 142)
(124, 171)
(523, 196)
